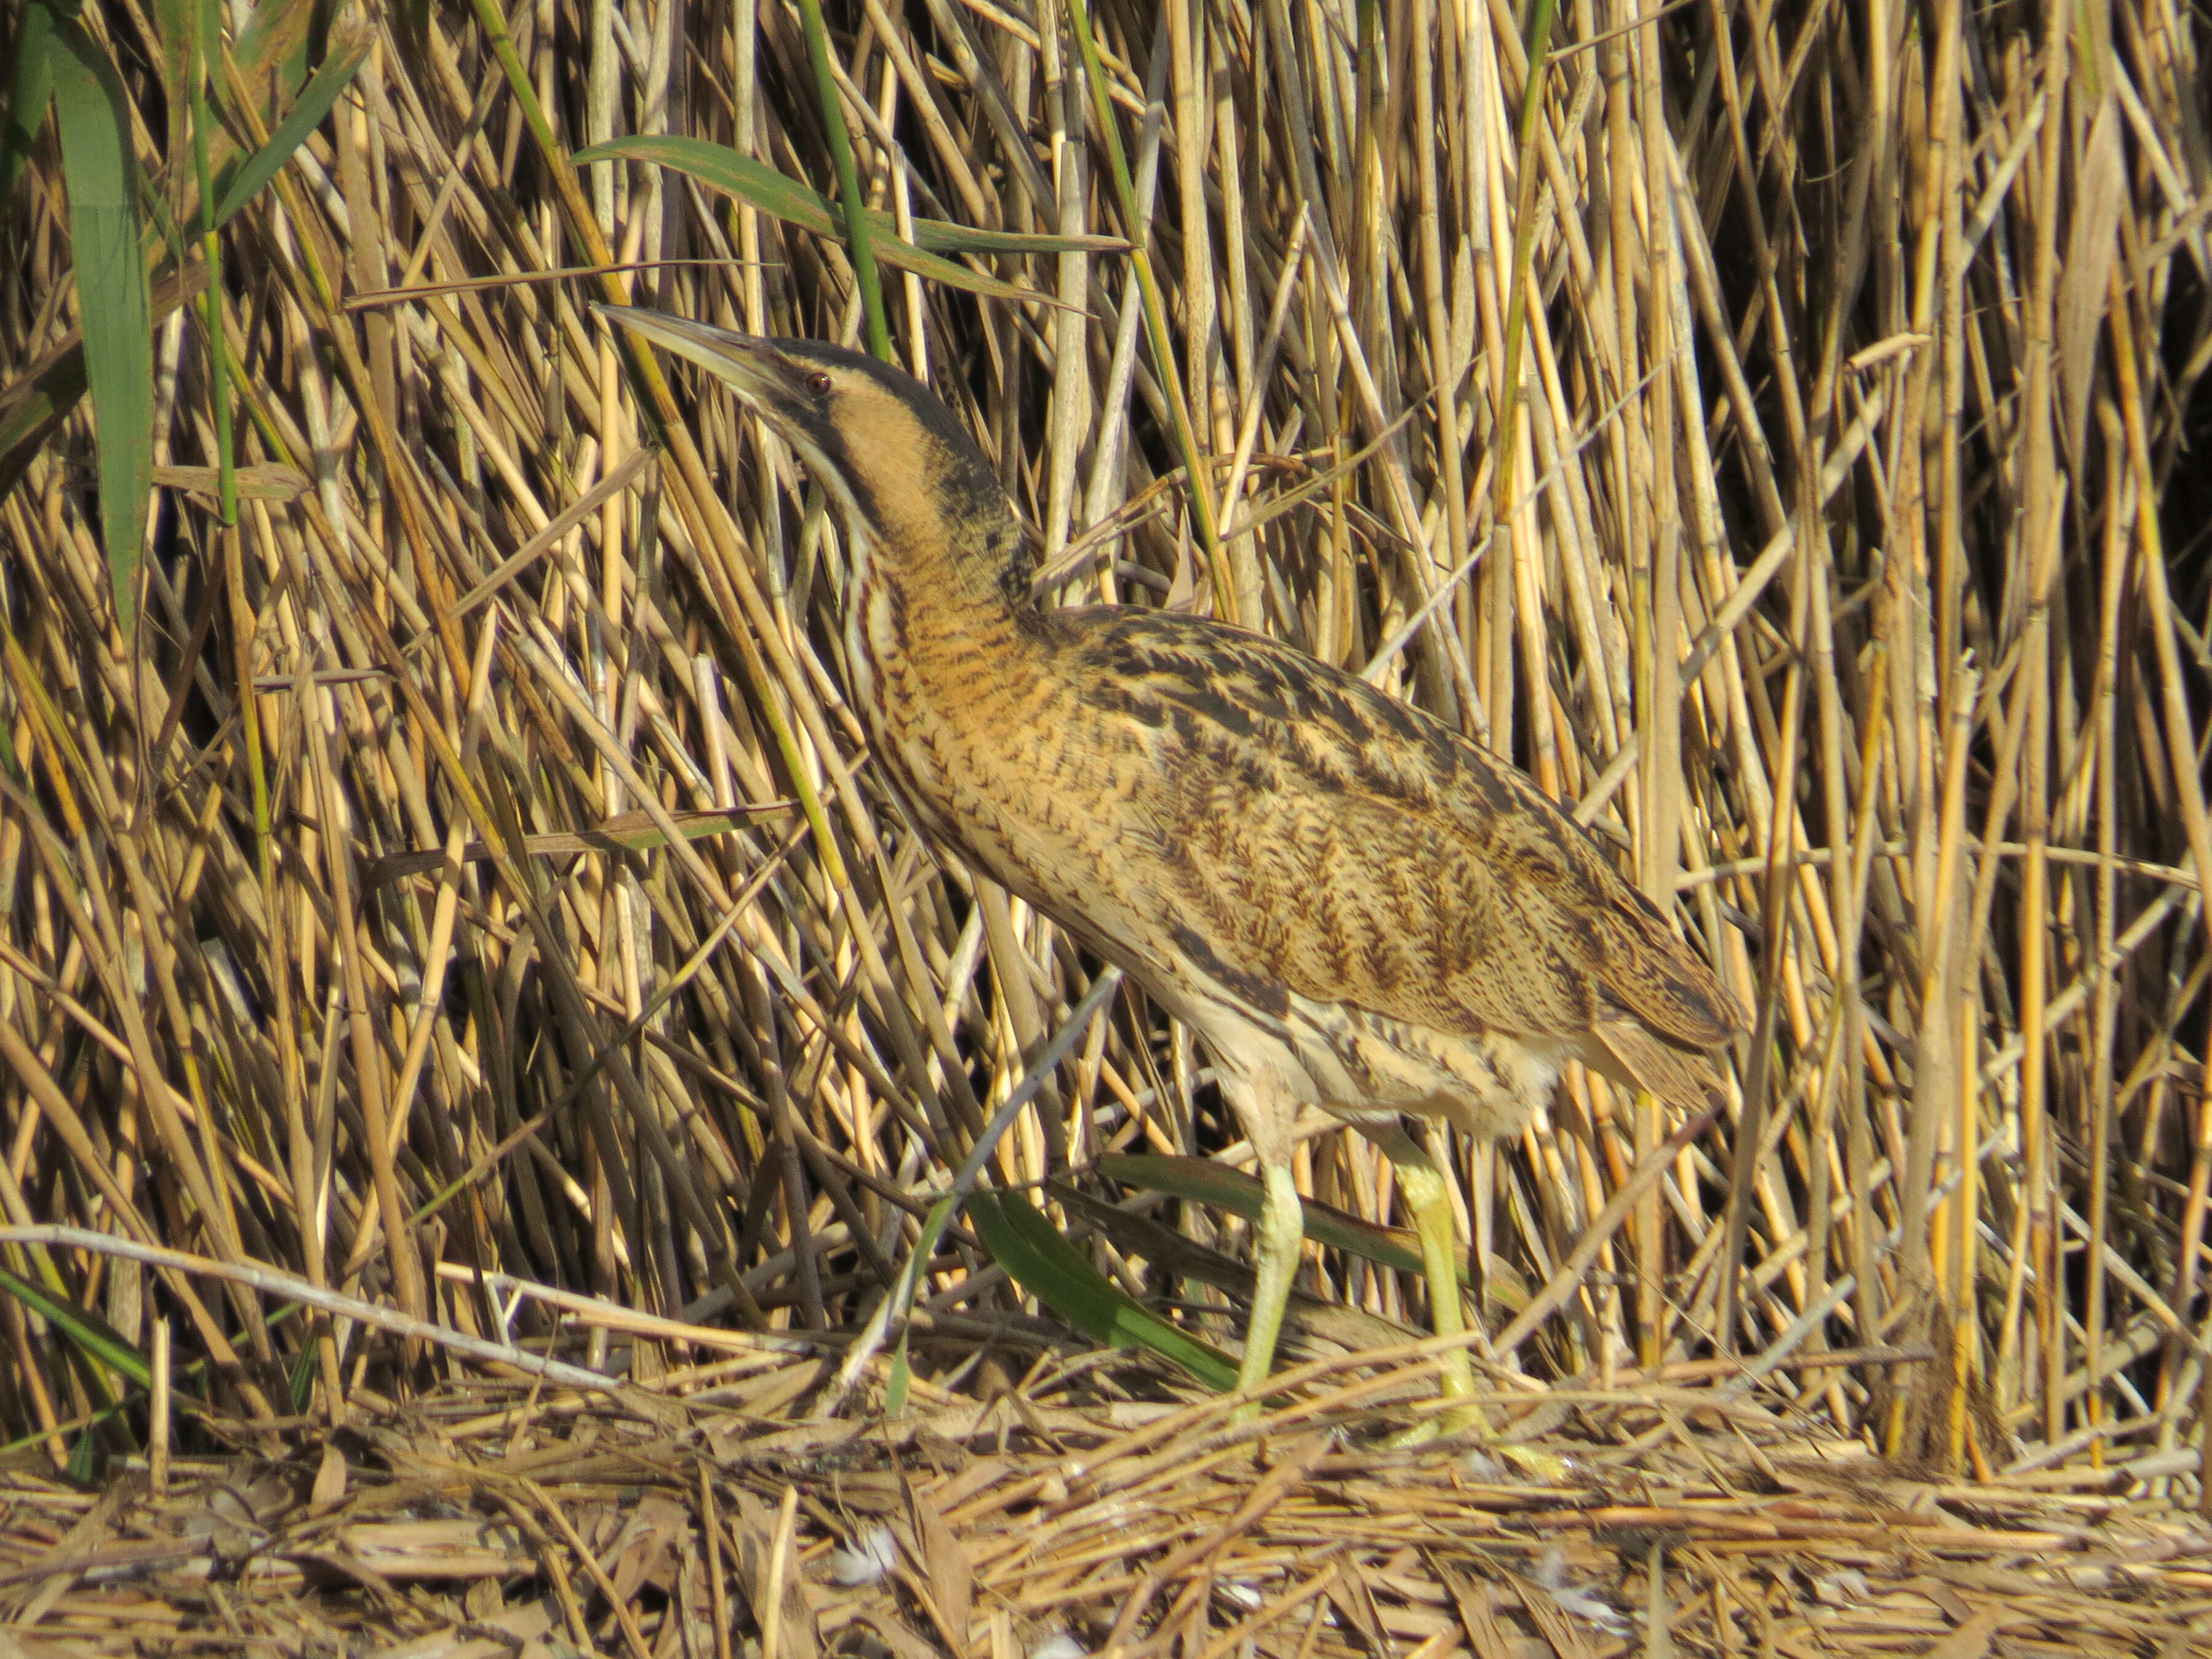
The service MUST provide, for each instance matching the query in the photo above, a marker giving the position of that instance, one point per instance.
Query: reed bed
(460, 871)
(962, 1529)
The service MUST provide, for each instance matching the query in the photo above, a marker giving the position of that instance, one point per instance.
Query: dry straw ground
(1828, 527)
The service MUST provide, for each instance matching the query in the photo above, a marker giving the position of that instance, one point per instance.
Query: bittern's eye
(818, 384)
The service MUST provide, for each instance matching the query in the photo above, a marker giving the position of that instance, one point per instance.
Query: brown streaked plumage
(1352, 906)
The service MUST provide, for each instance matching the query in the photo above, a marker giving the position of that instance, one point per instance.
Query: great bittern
(1354, 907)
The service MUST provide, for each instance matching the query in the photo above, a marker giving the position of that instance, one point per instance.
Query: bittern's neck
(962, 572)
(935, 600)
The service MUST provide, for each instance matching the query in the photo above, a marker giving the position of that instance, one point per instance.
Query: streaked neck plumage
(939, 569)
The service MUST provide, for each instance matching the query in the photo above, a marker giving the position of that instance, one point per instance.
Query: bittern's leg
(1428, 1195)
(1282, 1229)
(1427, 1188)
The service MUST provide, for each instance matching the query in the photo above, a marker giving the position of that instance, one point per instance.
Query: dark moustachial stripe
(838, 455)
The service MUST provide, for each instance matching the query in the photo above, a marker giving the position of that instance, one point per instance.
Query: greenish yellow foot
(1546, 1467)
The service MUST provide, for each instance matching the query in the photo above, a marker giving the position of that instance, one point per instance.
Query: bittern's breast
(989, 743)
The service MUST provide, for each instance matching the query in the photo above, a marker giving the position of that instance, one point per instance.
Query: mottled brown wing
(1311, 829)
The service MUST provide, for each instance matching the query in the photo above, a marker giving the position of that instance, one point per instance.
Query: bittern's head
(908, 482)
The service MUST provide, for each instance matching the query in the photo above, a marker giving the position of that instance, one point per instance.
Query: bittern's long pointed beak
(793, 392)
(749, 365)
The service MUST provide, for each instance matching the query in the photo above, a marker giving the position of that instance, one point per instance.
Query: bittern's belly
(1273, 1049)
(1362, 1067)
